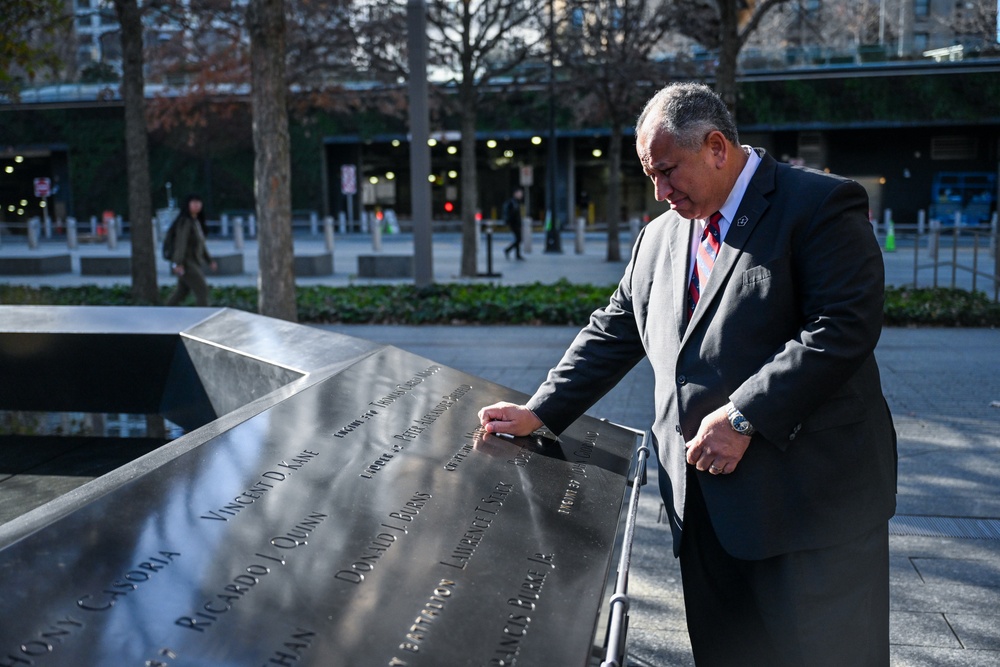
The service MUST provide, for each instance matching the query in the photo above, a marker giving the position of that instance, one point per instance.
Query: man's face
(686, 179)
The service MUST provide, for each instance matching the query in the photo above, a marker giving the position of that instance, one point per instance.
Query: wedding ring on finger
(716, 470)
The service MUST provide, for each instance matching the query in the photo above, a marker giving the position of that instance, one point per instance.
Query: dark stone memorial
(333, 502)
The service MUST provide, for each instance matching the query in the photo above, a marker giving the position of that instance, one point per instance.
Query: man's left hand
(717, 448)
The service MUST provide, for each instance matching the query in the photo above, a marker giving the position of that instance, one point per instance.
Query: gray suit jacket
(786, 328)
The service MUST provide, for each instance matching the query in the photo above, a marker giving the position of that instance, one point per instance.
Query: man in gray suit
(758, 299)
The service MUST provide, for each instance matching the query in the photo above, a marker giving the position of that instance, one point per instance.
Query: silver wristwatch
(738, 421)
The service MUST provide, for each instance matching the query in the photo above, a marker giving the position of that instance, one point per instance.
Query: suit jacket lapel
(679, 249)
(748, 214)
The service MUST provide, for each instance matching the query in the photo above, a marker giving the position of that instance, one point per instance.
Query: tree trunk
(140, 207)
(272, 164)
(729, 50)
(470, 193)
(614, 192)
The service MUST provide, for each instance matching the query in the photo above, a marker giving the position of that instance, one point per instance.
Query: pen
(509, 436)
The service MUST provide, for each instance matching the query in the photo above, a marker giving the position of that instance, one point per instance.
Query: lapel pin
(742, 221)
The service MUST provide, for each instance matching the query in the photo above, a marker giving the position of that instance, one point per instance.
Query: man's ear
(718, 146)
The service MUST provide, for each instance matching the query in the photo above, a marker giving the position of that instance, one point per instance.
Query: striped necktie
(708, 250)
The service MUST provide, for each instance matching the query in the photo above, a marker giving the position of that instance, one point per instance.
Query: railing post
(376, 228)
(580, 236)
(33, 224)
(112, 234)
(238, 233)
(328, 232)
(71, 241)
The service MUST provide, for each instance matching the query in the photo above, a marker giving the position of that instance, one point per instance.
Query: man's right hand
(509, 418)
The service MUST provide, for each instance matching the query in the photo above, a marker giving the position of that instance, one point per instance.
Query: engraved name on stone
(459, 457)
(128, 582)
(525, 600)
(47, 641)
(413, 432)
(378, 546)
(422, 624)
(50, 639)
(259, 488)
(403, 387)
(578, 473)
(292, 649)
(483, 516)
(243, 583)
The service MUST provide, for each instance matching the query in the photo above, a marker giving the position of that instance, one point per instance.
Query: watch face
(740, 424)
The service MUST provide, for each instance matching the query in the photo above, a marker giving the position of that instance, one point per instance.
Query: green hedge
(447, 303)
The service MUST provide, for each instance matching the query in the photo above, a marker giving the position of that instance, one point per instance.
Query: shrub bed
(459, 303)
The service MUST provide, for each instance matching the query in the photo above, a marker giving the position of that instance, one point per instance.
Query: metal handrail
(620, 601)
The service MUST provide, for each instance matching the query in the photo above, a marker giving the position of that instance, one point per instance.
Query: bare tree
(272, 162)
(974, 25)
(140, 205)
(608, 48)
(477, 42)
(724, 26)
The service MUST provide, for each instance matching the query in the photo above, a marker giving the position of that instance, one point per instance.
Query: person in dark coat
(758, 300)
(190, 256)
(512, 217)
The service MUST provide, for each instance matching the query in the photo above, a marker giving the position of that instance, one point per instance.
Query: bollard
(890, 231)
(72, 242)
(488, 226)
(224, 224)
(112, 235)
(376, 231)
(526, 232)
(328, 232)
(238, 233)
(342, 222)
(93, 225)
(252, 226)
(313, 223)
(580, 225)
(921, 222)
(33, 224)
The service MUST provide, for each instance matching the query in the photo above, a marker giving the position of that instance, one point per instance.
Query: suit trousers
(813, 608)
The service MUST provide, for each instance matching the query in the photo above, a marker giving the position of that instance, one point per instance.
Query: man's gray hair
(689, 111)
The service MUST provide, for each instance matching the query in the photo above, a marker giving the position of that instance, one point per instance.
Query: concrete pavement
(942, 385)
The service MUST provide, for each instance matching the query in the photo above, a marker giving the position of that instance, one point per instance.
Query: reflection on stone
(353, 513)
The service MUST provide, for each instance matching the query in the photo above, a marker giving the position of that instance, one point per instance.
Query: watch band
(738, 422)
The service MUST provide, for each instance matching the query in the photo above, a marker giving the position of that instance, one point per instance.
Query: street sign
(348, 179)
(43, 187)
(527, 175)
